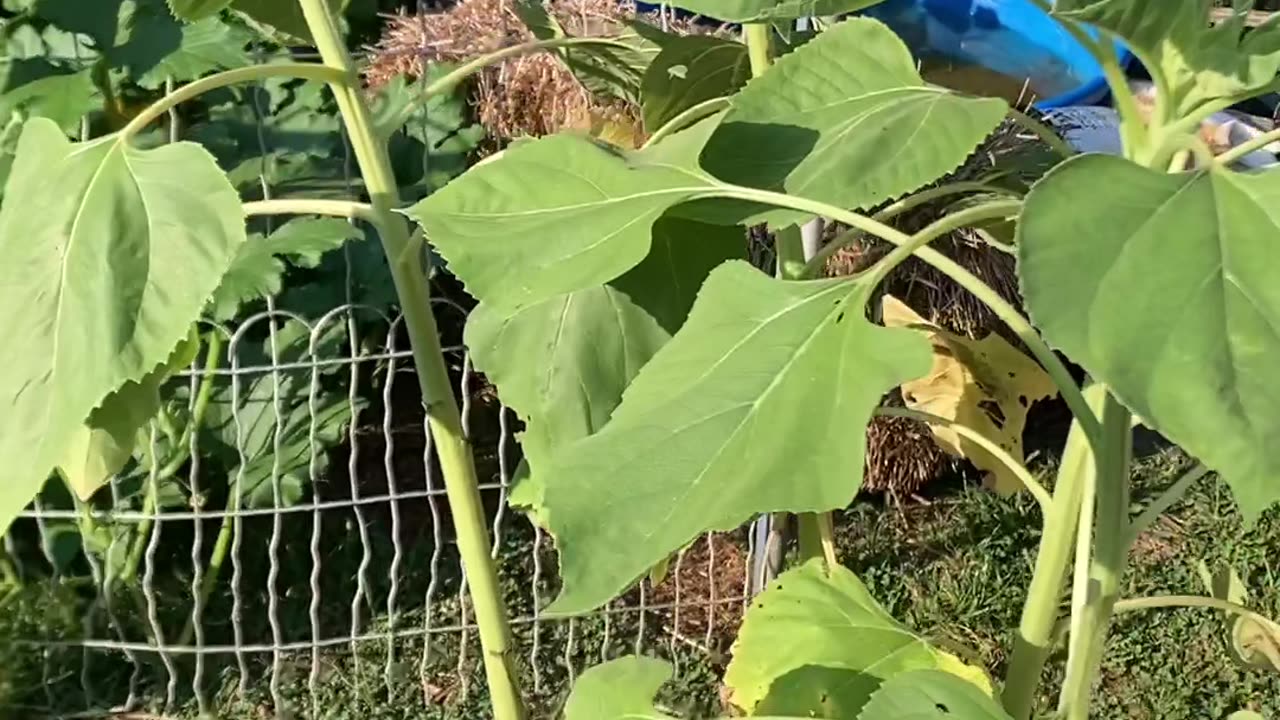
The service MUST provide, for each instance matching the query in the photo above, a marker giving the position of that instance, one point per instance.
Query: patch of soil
(704, 590)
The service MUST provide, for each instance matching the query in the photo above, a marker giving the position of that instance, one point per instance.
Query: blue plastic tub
(1013, 37)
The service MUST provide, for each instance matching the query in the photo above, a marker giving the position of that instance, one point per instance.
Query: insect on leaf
(762, 383)
(111, 252)
(690, 70)
(987, 385)
(809, 626)
(931, 695)
(1114, 257)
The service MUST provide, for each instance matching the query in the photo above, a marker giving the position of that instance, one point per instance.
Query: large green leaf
(275, 427)
(202, 47)
(619, 690)
(622, 689)
(1163, 287)
(563, 364)
(690, 70)
(257, 269)
(283, 16)
(110, 252)
(1194, 62)
(192, 10)
(747, 410)
(811, 622)
(754, 10)
(846, 119)
(38, 88)
(102, 446)
(931, 695)
(550, 217)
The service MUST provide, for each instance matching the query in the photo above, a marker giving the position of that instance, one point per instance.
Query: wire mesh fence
(262, 596)
(299, 561)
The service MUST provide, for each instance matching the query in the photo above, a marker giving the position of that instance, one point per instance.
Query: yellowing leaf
(986, 385)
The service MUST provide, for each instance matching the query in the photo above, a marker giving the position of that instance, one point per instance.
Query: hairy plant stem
(182, 446)
(452, 446)
(1044, 594)
(759, 50)
(1110, 553)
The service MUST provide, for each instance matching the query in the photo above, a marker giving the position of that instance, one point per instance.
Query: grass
(953, 566)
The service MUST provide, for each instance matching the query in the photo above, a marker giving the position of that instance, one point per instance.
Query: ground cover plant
(669, 388)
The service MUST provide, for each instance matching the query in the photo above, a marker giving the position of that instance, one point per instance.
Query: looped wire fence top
(301, 564)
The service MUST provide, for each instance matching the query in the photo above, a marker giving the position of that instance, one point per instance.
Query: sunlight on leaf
(747, 410)
(931, 695)
(549, 217)
(688, 71)
(986, 385)
(751, 10)
(810, 623)
(563, 364)
(845, 119)
(623, 689)
(1181, 267)
(257, 269)
(1194, 62)
(111, 252)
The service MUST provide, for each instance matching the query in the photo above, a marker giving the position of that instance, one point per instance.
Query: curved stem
(1165, 501)
(925, 197)
(453, 449)
(1007, 313)
(1042, 131)
(306, 71)
(451, 79)
(333, 208)
(686, 118)
(1245, 148)
(1160, 602)
(1024, 476)
(940, 227)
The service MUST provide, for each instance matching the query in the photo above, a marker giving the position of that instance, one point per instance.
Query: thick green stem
(452, 446)
(1044, 595)
(1110, 553)
(756, 37)
(304, 206)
